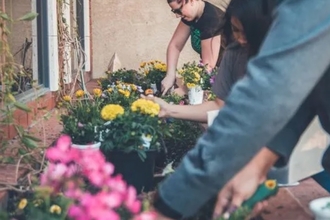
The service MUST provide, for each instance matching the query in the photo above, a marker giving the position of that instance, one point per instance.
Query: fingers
(164, 90)
(151, 98)
(223, 201)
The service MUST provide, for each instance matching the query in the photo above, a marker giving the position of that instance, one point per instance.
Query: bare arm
(210, 50)
(175, 46)
(194, 112)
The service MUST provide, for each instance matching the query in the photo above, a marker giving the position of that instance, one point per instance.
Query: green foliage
(10, 71)
(42, 203)
(194, 74)
(82, 120)
(180, 137)
(121, 75)
(125, 133)
(154, 72)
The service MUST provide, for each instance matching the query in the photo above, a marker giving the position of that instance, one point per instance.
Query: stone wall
(138, 30)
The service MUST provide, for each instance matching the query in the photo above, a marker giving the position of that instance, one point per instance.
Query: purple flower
(80, 125)
(212, 79)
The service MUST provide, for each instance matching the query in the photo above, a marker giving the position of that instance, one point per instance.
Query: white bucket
(195, 95)
(95, 146)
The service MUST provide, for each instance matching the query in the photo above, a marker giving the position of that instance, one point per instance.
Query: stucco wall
(136, 29)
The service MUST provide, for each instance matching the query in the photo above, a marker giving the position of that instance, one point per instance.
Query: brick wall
(19, 30)
(136, 29)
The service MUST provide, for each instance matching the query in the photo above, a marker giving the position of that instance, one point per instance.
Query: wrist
(263, 161)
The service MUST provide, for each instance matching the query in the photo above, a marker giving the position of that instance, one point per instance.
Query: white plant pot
(195, 95)
(95, 146)
(319, 209)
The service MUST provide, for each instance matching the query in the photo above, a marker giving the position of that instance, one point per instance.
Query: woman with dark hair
(203, 22)
(245, 33)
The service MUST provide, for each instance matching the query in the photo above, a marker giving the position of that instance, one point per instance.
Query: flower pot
(135, 172)
(320, 208)
(95, 146)
(195, 95)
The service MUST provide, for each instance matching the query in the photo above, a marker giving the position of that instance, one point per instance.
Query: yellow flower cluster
(97, 92)
(145, 107)
(67, 98)
(191, 75)
(121, 85)
(55, 209)
(153, 64)
(22, 204)
(191, 85)
(111, 111)
(126, 93)
(80, 93)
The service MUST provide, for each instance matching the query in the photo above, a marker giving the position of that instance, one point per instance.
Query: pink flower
(80, 125)
(117, 184)
(63, 143)
(131, 203)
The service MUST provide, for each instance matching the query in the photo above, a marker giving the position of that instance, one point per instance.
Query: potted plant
(81, 119)
(320, 208)
(197, 78)
(154, 72)
(121, 75)
(130, 140)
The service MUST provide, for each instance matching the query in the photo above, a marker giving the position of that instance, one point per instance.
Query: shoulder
(211, 22)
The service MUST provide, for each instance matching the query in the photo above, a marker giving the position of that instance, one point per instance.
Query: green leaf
(28, 17)
(29, 143)
(32, 138)
(22, 106)
(4, 16)
(22, 151)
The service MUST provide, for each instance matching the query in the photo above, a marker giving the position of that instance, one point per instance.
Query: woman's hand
(164, 106)
(167, 83)
(245, 183)
(237, 190)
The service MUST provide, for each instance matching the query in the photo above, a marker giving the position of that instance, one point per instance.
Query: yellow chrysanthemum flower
(143, 64)
(197, 77)
(145, 107)
(134, 88)
(110, 90)
(80, 93)
(111, 111)
(97, 92)
(22, 204)
(55, 209)
(67, 98)
(191, 85)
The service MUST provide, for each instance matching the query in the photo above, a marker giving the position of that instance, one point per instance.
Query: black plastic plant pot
(135, 172)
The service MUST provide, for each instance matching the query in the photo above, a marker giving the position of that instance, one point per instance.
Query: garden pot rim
(316, 206)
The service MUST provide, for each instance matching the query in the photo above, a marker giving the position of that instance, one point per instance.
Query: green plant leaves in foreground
(28, 17)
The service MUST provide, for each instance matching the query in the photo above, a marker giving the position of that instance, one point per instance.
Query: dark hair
(255, 17)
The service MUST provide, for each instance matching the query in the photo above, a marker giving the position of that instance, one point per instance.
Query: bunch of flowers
(154, 72)
(69, 169)
(123, 75)
(136, 129)
(194, 74)
(81, 117)
(121, 93)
